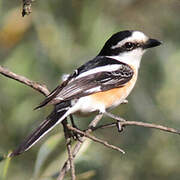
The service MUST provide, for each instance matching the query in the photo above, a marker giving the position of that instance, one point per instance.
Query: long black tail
(49, 123)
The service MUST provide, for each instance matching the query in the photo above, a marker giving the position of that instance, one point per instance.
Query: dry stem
(77, 147)
(136, 123)
(36, 86)
(72, 153)
(95, 139)
(68, 145)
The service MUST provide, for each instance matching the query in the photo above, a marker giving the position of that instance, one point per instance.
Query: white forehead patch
(136, 36)
(139, 36)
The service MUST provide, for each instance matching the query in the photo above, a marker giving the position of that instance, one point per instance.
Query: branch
(95, 139)
(26, 7)
(142, 124)
(68, 145)
(36, 86)
(77, 147)
(92, 126)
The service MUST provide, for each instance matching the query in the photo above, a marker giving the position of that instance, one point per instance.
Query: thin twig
(77, 147)
(143, 124)
(68, 145)
(43, 89)
(36, 86)
(105, 143)
(72, 167)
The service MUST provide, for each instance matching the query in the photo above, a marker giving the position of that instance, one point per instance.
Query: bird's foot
(75, 135)
(119, 120)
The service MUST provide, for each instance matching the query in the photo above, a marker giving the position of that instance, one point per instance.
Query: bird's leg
(114, 116)
(75, 135)
(67, 133)
(72, 121)
(119, 120)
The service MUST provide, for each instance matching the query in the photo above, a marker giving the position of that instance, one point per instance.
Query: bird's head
(128, 46)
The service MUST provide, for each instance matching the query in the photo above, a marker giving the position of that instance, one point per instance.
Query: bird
(99, 85)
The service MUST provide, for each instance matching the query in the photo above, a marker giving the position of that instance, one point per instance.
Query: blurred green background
(56, 38)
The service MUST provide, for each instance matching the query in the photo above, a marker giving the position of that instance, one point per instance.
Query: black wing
(97, 82)
(76, 87)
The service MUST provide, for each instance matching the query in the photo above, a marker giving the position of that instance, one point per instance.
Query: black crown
(112, 41)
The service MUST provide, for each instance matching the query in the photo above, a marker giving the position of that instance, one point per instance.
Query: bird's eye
(129, 45)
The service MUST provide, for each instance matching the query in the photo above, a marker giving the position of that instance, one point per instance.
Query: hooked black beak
(151, 43)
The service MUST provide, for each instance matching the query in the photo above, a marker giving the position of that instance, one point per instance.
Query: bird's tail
(57, 116)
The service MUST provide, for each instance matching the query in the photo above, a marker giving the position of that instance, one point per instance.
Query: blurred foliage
(61, 35)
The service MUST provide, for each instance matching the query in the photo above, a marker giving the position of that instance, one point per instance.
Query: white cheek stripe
(132, 58)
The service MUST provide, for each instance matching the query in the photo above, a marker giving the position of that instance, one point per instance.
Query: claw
(119, 126)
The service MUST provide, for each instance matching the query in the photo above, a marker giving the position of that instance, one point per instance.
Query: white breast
(104, 100)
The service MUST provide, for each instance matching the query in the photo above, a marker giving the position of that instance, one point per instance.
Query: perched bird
(98, 85)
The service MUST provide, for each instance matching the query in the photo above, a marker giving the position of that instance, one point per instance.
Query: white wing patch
(107, 68)
(93, 90)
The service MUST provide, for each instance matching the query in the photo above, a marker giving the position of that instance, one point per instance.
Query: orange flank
(114, 97)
